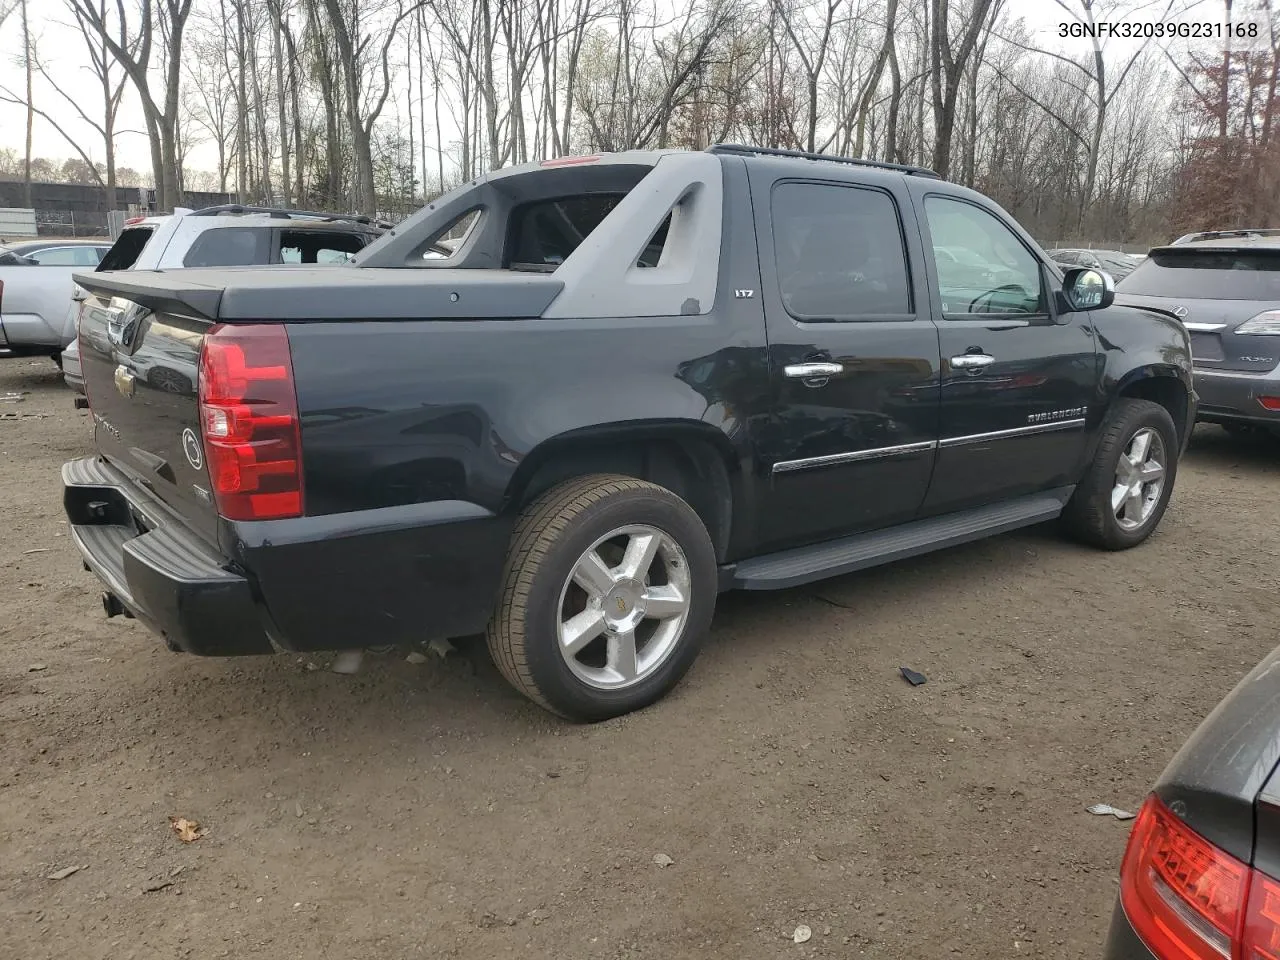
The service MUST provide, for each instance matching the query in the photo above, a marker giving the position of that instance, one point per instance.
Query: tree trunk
(895, 105)
(242, 110)
(31, 108)
(948, 71)
(278, 16)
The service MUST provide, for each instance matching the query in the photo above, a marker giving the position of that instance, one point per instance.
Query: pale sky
(61, 46)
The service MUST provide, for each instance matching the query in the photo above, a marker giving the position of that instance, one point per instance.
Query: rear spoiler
(157, 291)
(337, 292)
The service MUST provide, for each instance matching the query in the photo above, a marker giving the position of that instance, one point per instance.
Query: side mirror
(1084, 288)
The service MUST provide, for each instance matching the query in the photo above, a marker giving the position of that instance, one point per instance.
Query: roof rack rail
(1223, 234)
(286, 214)
(743, 149)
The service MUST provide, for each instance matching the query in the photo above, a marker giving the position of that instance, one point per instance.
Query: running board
(790, 568)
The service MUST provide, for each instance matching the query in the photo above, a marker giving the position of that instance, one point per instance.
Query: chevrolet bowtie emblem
(124, 381)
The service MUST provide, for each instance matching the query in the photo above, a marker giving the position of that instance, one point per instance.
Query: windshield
(1207, 273)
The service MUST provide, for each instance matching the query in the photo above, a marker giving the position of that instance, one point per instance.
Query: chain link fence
(70, 223)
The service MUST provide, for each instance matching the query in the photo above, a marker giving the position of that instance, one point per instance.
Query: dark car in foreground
(635, 381)
(1201, 874)
(1225, 288)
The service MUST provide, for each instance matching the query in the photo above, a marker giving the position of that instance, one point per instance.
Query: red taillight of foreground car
(1270, 403)
(1262, 922)
(249, 421)
(1189, 900)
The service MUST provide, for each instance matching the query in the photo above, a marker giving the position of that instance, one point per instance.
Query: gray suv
(1225, 288)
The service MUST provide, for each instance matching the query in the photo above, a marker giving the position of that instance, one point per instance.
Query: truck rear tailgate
(143, 336)
(140, 369)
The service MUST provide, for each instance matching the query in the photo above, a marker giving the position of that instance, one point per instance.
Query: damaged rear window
(541, 235)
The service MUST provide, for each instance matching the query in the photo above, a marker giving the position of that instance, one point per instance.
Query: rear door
(1017, 380)
(853, 356)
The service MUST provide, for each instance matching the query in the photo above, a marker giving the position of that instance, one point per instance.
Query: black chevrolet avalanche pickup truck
(569, 403)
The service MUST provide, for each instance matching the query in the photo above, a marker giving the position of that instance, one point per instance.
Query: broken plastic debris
(348, 661)
(416, 657)
(66, 872)
(913, 678)
(440, 647)
(662, 860)
(802, 934)
(1103, 809)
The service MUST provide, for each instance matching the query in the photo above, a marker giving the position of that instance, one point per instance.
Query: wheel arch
(1164, 385)
(691, 458)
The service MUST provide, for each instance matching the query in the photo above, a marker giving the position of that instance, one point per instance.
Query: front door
(853, 358)
(1018, 378)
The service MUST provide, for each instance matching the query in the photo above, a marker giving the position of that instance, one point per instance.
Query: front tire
(1125, 490)
(609, 588)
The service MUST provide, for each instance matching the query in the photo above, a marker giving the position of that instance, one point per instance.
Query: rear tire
(1125, 490)
(609, 588)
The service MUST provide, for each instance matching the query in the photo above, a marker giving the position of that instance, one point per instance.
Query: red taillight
(249, 421)
(1184, 897)
(1270, 403)
(1262, 921)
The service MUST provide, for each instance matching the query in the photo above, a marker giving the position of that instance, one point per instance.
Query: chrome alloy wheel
(624, 607)
(1139, 479)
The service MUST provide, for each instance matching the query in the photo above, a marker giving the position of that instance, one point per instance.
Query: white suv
(229, 236)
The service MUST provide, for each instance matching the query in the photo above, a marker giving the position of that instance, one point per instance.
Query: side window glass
(227, 247)
(989, 270)
(450, 240)
(57, 257)
(298, 246)
(839, 253)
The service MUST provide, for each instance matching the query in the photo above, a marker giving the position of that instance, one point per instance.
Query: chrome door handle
(972, 361)
(811, 371)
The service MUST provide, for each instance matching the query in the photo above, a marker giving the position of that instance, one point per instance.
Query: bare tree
(364, 42)
(811, 43)
(949, 60)
(28, 63)
(164, 22)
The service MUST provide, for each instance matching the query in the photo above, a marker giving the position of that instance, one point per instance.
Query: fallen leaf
(188, 831)
(66, 872)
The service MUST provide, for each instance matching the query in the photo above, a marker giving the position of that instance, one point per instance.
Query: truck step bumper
(156, 570)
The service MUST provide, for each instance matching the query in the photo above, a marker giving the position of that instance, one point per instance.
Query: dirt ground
(794, 778)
